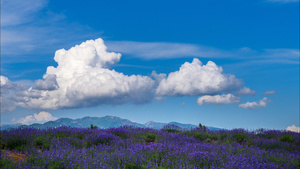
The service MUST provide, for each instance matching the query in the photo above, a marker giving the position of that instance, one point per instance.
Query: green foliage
(79, 136)
(31, 160)
(172, 128)
(2, 145)
(287, 138)
(133, 166)
(60, 135)
(201, 135)
(276, 159)
(173, 131)
(6, 163)
(42, 142)
(16, 144)
(298, 164)
(121, 134)
(158, 157)
(223, 136)
(202, 127)
(56, 165)
(214, 137)
(240, 137)
(151, 137)
(93, 127)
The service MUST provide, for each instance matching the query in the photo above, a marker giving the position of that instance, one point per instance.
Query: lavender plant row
(143, 148)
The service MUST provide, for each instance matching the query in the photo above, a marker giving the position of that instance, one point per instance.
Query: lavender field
(141, 148)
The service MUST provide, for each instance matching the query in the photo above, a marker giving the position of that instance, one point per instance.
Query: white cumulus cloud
(194, 79)
(36, 118)
(8, 89)
(83, 78)
(293, 128)
(253, 105)
(218, 99)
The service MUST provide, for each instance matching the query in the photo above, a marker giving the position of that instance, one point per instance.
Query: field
(141, 148)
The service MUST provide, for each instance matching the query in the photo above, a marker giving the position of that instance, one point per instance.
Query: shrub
(133, 166)
(120, 132)
(171, 128)
(240, 137)
(42, 142)
(201, 136)
(16, 144)
(93, 127)
(99, 138)
(151, 137)
(286, 138)
(223, 136)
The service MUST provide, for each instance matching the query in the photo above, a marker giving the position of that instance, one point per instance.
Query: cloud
(218, 99)
(195, 79)
(49, 83)
(17, 12)
(166, 50)
(269, 92)
(83, 78)
(36, 118)
(157, 50)
(29, 27)
(8, 90)
(253, 105)
(293, 128)
(246, 91)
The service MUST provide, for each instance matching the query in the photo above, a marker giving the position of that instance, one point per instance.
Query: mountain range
(101, 122)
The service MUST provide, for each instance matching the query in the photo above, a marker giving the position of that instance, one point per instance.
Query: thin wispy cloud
(27, 27)
(164, 50)
(269, 92)
(160, 50)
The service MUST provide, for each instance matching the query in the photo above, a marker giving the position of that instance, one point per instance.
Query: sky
(228, 64)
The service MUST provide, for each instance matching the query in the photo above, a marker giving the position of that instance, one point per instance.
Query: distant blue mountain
(101, 122)
(7, 126)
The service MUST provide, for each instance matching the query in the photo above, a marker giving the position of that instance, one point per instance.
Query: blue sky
(226, 64)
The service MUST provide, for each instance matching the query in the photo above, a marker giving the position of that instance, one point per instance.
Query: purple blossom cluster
(144, 148)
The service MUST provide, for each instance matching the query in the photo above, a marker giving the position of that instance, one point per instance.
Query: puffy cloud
(83, 78)
(218, 99)
(8, 89)
(6, 85)
(253, 105)
(246, 91)
(158, 77)
(49, 83)
(270, 92)
(36, 118)
(293, 128)
(196, 79)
